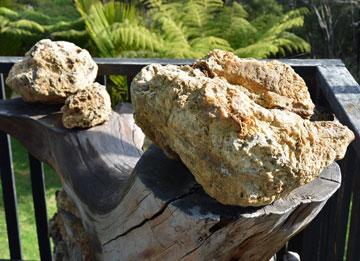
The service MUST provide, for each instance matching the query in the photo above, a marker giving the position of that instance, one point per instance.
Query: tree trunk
(111, 209)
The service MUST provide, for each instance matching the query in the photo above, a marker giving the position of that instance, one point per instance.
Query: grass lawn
(25, 204)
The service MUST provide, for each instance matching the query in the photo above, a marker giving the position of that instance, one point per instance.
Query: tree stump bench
(119, 203)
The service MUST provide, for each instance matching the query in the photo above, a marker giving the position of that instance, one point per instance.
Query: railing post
(8, 188)
(39, 199)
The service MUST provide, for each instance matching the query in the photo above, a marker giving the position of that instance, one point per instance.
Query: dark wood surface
(89, 153)
(156, 210)
(342, 93)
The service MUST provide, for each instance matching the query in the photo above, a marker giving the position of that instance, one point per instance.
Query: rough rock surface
(51, 71)
(272, 84)
(238, 149)
(87, 108)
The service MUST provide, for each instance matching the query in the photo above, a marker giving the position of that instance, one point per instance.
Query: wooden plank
(343, 95)
(335, 84)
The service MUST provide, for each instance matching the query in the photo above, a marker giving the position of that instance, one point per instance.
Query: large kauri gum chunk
(273, 84)
(242, 151)
(87, 108)
(51, 71)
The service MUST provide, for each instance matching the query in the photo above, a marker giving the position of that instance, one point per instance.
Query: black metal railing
(333, 235)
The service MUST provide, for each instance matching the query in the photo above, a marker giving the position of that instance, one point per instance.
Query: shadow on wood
(154, 209)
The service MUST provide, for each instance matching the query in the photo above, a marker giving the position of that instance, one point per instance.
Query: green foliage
(115, 27)
(190, 29)
(29, 241)
(262, 7)
(21, 29)
(6, 3)
(159, 28)
(275, 38)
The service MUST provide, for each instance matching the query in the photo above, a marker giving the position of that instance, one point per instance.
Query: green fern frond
(117, 89)
(292, 43)
(83, 6)
(187, 29)
(75, 36)
(64, 26)
(258, 50)
(98, 28)
(152, 4)
(9, 14)
(196, 14)
(174, 33)
(295, 13)
(3, 23)
(206, 44)
(127, 36)
(231, 24)
(28, 25)
(117, 12)
(38, 17)
(284, 26)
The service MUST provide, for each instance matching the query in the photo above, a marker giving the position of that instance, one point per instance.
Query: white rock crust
(240, 151)
(51, 71)
(87, 108)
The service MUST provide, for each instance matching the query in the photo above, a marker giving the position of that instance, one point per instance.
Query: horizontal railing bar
(124, 65)
(143, 62)
(343, 95)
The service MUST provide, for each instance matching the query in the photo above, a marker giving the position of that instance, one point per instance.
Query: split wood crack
(192, 190)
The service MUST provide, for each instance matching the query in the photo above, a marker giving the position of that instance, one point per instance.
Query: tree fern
(114, 27)
(276, 39)
(186, 29)
(231, 23)
(9, 14)
(22, 29)
(127, 36)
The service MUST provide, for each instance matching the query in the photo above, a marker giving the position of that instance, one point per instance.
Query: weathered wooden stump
(114, 210)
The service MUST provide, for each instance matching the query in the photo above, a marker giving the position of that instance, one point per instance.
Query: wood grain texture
(343, 95)
(172, 218)
(156, 210)
(94, 164)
